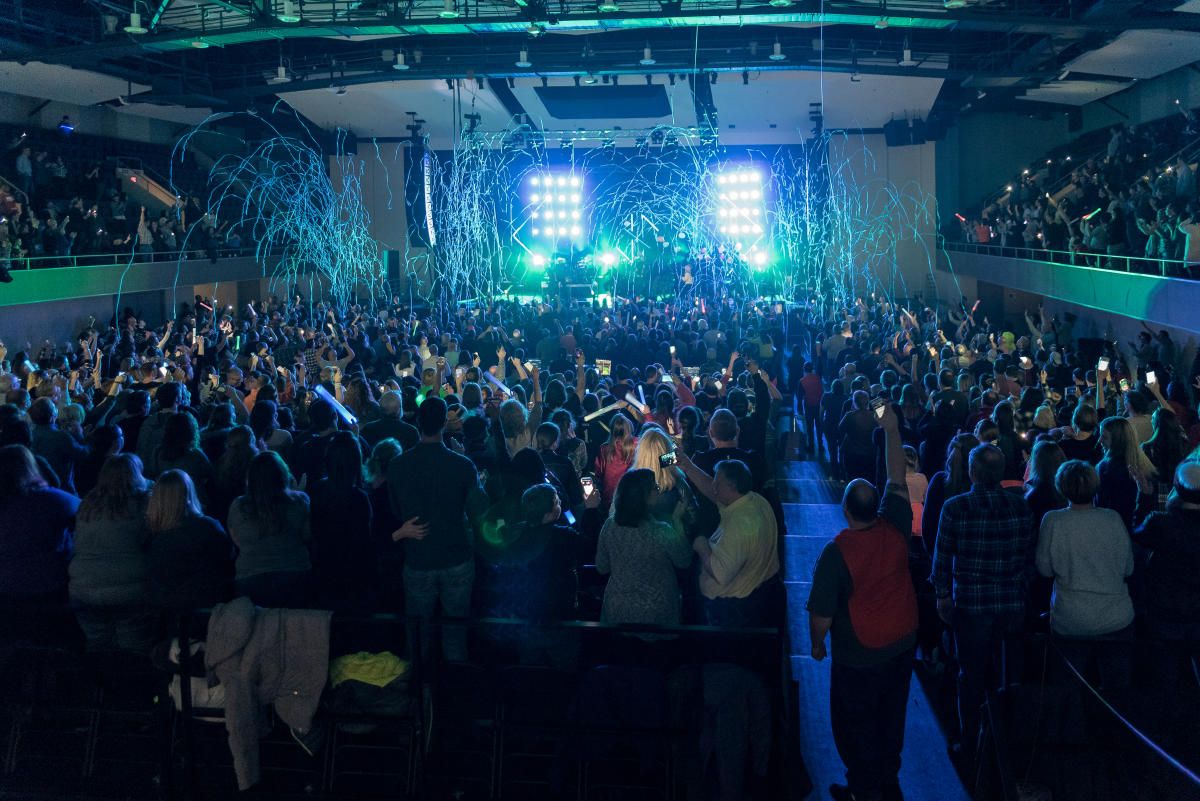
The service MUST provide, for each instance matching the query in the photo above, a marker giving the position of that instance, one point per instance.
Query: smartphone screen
(1150, 377)
(1026, 362)
(1102, 365)
(1124, 385)
(589, 486)
(668, 459)
(878, 404)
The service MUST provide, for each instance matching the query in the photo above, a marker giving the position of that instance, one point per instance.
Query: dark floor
(813, 514)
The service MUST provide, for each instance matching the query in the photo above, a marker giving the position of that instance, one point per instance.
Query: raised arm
(702, 481)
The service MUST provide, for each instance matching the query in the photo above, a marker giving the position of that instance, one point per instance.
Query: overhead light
(288, 14)
(199, 44)
(534, 29)
(280, 76)
(400, 62)
(907, 59)
(589, 79)
(608, 6)
(338, 90)
(780, 3)
(777, 52)
(647, 57)
(523, 60)
(135, 26)
(954, 4)
(448, 10)
(881, 23)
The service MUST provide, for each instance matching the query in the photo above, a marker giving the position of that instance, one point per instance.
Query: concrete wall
(985, 150)
(1145, 100)
(896, 187)
(95, 120)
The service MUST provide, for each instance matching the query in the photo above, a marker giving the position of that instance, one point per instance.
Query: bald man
(862, 594)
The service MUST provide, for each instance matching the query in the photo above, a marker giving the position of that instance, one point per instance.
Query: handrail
(1140, 265)
(83, 260)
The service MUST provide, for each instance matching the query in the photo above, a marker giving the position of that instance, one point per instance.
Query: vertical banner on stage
(427, 180)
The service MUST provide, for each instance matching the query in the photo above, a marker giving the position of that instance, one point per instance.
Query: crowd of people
(54, 206)
(363, 459)
(1137, 199)
(311, 456)
(1050, 489)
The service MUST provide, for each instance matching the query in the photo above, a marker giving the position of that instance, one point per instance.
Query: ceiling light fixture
(647, 57)
(906, 59)
(135, 26)
(338, 90)
(400, 64)
(780, 3)
(777, 52)
(608, 6)
(953, 5)
(199, 44)
(448, 10)
(523, 60)
(881, 24)
(288, 14)
(534, 29)
(589, 79)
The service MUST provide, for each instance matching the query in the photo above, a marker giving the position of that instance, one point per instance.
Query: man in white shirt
(739, 574)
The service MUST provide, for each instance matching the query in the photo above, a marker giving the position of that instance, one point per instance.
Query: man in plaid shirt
(981, 567)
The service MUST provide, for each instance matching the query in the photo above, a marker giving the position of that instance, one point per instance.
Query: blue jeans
(452, 586)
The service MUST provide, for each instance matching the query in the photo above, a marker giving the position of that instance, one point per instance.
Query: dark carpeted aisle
(813, 513)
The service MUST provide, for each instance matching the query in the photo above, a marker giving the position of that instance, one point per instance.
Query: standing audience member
(982, 564)
(640, 555)
(189, 557)
(108, 571)
(36, 538)
(270, 527)
(862, 593)
(739, 563)
(436, 492)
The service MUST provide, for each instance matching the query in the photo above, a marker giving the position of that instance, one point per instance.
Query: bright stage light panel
(556, 198)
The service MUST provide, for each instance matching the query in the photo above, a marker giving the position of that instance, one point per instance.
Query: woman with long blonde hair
(615, 457)
(672, 501)
(1125, 471)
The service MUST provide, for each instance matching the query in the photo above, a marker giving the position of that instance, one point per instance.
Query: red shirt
(811, 385)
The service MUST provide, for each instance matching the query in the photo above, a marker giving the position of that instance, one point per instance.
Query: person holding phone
(672, 501)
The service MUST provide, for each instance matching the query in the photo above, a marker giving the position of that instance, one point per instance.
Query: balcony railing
(1139, 265)
(125, 257)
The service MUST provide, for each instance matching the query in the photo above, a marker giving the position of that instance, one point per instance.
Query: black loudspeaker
(896, 133)
(391, 265)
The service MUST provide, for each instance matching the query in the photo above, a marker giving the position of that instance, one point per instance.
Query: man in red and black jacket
(862, 593)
